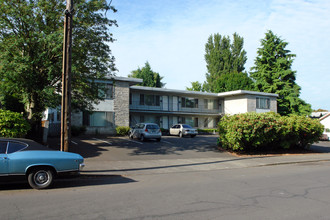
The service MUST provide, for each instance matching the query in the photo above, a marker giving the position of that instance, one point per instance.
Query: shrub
(206, 131)
(122, 130)
(12, 124)
(77, 130)
(164, 131)
(265, 131)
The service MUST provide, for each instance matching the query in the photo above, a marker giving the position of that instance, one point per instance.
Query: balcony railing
(171, 107)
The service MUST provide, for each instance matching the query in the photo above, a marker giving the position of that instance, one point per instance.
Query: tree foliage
(150, 78)
(267, 131)
(196, 86)
(233, 81)
(12, 124)
(272, 73)
(31, 47)
(223, 57)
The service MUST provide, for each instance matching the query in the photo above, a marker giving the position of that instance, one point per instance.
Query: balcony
(172, 108)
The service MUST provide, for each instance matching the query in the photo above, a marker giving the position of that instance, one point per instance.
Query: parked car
(145, 131)
(39, 164)
(183, 130)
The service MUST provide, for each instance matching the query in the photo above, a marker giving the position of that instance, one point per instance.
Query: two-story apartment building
(126, 104)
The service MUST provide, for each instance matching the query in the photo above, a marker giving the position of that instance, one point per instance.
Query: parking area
(108, 148)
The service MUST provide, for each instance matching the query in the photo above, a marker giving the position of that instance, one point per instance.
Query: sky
(171, 36)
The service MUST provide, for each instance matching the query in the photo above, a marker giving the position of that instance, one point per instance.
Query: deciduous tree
(223, 57)
(150, 78)
(31, 46)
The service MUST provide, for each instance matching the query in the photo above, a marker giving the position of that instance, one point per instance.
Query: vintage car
(39, 164)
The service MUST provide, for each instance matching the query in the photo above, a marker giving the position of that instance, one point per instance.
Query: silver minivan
(145, 131)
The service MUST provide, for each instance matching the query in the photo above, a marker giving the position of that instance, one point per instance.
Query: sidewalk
(137, 167)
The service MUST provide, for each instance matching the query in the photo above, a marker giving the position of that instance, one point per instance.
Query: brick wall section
(121, 103)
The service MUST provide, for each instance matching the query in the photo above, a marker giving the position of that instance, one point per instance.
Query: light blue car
(40, 165)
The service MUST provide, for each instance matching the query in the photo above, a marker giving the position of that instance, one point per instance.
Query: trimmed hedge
(12, 124)
(122, 130)
(267, 131)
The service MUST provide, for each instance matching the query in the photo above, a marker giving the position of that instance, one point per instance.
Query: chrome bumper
(81, 166)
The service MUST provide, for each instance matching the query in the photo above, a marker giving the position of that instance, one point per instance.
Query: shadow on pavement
(69, 182)
(90, 147)
(321, 147)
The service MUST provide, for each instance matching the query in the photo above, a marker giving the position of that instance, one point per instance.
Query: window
(105, 90)
(130, 99)
(263, 103)
(211, 104)
(3, 147)
(189, 102)
(150, 100)
(101, 119)
(14, 147)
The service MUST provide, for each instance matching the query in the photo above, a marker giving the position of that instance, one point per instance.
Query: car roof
(32, 145)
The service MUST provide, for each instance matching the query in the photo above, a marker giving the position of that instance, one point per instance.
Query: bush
(12, 124)
(122, 130)
(77, 130)
(165, 131)
(206, 131)
(265, 131)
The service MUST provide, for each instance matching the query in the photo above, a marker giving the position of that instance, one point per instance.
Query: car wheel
(158, 139)
(193, 136)
(180, 134)
(130, 136)
(142, 138)
(41, 178)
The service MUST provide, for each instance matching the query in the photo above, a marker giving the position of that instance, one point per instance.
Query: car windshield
(186, 126)
(152, 127)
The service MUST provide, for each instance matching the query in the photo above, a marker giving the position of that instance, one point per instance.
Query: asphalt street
(178, 178)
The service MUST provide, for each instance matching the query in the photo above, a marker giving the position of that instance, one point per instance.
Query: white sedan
(183, 130)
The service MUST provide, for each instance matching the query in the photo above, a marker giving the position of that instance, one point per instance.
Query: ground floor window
(99, 119)
(263, 103)
(192, 121)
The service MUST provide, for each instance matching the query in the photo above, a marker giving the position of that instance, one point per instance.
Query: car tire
(180, 134)
(130, 135)
(41, 178)
(158, 139)
(142, 138)
(192, 136)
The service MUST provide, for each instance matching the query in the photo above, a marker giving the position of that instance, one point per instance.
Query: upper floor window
(263, 103)
(189, 102)
(105, 90)
(151, 100)
(211, 104)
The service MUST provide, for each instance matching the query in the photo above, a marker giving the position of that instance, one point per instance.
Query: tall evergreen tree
(223, 57)
(272, 73)
(150, 78)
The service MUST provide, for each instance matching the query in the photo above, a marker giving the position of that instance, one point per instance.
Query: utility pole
(66, 78)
